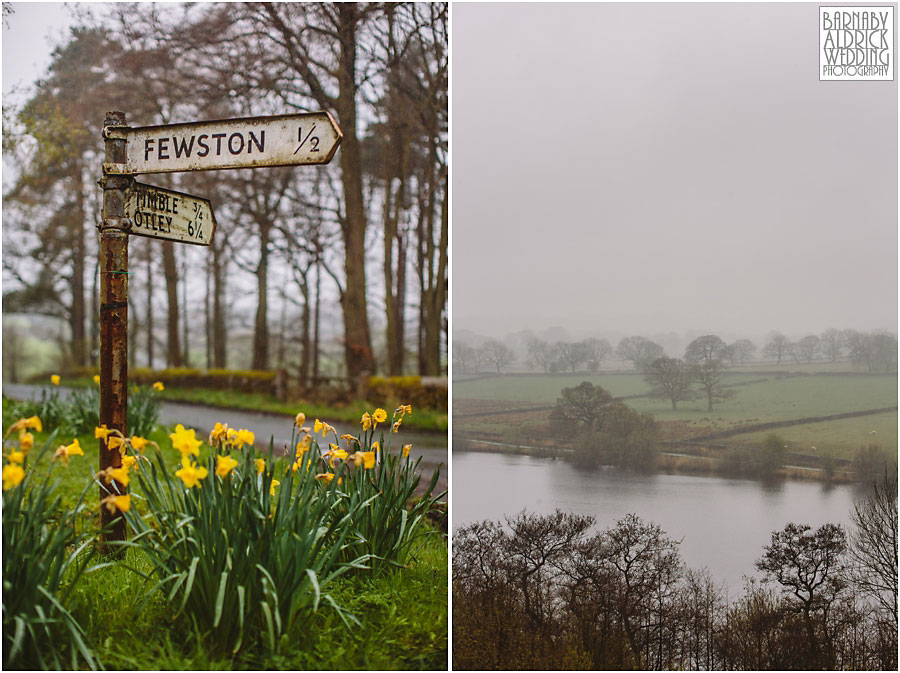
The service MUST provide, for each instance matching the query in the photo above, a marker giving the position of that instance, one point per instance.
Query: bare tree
(704, 349)
(873, 545)
(709, 377)
(777, 347)
(671, 379)
(639, 350)
(497, 353)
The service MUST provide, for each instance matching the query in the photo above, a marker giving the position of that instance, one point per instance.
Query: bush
(389, 391)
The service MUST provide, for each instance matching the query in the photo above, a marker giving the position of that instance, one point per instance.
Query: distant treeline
(873, 352)
(545, 592)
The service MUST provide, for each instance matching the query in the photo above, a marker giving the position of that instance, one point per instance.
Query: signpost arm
(113, 317)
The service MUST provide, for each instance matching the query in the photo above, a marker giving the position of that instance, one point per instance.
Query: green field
(759, 397)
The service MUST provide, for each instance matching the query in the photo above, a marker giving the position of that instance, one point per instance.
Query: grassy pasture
(763, 398)
(840, 438)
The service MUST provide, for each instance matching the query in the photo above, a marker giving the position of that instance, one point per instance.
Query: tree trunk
(219, 336)
(261, 328)
(435, 296)
(170, 271)
(149, 309)
(77, 314)
(357, 341)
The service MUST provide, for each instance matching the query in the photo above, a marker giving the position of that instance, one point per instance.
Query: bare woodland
(334, 270)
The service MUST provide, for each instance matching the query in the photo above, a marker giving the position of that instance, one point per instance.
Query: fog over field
(666, 168)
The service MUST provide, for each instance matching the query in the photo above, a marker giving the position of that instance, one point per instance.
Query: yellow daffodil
(17, 457)
(54, 379)
(224, 465)
(129, 461)
(97, 379)
(158, 386)
(12, 476)
(275, 483)
(405, 450)
(26, 441)
(242, 437)
(403, 409)
(379, 416)
(365, 459)
(64, 451)
(113, 443)
(296, 465)
(138, 443)
(366, 421)
(396, 426)
(23, 424)
(120, 474)
(185, 441)
(300, 419)
(302, 446)
(325, 478)
(349, 438)
(260, 465)
(334, 452)
(121, 503)
(190, 474)
(375, 446)
(317, 427)
(102, 432)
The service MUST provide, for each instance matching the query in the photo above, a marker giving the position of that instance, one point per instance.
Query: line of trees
(874, 352)
(300, 255)
(545, 592)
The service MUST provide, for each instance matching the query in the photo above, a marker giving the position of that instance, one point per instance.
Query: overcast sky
(635, 168)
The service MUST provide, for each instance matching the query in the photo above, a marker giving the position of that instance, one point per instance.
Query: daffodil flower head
(185, 441)
(120, 474)
(379, 415)
(364, 459)
(113, 443)
(224, 465)
(260, 465)
(405, 450)
(325, 477)
(274, 483)
(23, 424)
(129, 461)
(26, 441)
(375, 446)
(300, 419)
(54, 379)
(97, 379)
(12, 476)
(102, 432)
(396, 426)
(17, 457)
(113, 503)
(366, 421)
(66, 450)
(138, 443)
(190, 474)
(242, 437)
(158, 386)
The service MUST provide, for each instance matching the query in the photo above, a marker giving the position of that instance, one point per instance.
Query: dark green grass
(403, 617)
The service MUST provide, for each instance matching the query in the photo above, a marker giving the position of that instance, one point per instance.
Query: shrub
(389, 391)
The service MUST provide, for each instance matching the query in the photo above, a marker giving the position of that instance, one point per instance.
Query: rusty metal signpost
(130, 207)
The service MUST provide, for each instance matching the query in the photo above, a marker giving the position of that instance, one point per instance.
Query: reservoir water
(723, 523)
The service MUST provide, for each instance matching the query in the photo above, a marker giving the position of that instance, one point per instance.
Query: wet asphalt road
(432, 447)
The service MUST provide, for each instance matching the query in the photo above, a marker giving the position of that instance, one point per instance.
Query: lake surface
(723, 523)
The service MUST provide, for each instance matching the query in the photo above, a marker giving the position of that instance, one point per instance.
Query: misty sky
(635, 168)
